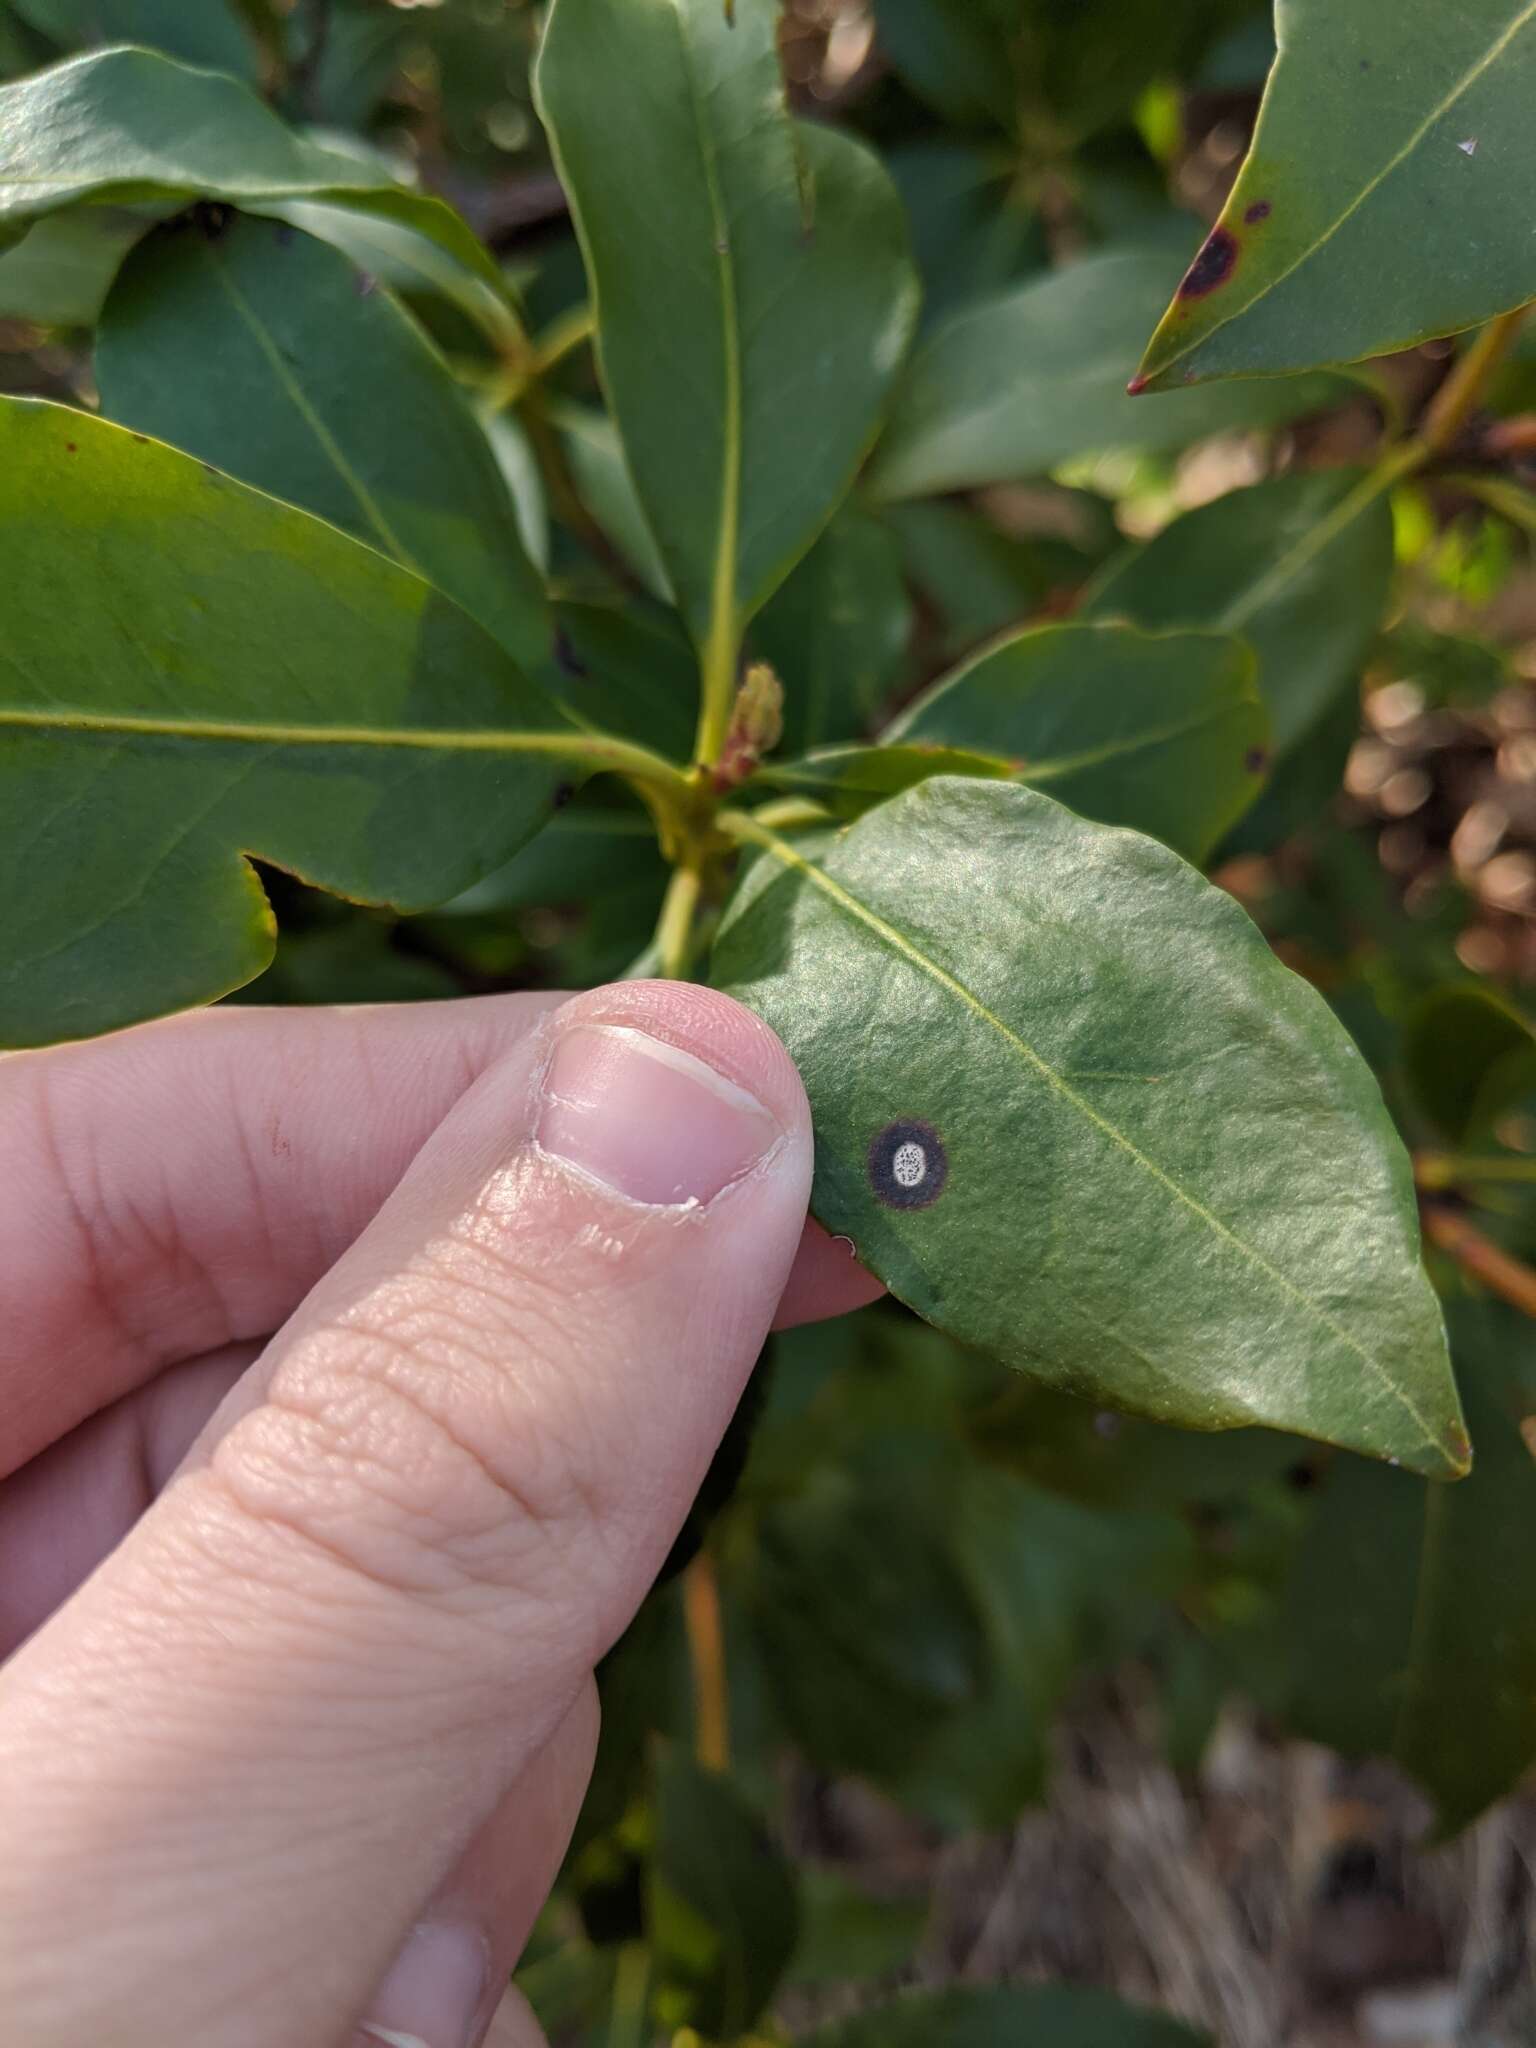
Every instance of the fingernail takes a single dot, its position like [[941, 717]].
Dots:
[[651, 1122], [433, 1993]]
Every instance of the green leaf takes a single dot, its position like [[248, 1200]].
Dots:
[[586, 850], [971, 230], [129, 126], [1015, 384], [846, 1933], [1469, 1056], [750, 279], [1061, 69], [607, 490], [264, 352], [723, 1910], [1301, 566], [977, 581], [1385, 199], [1009, 2016], [629, 669], [869, 1636], [407, 262], [1163, 732], [1411, 1620], [1058, 1586], [1146, 1163], [206, 33], [61, 271], [229, 677], [837, 632]]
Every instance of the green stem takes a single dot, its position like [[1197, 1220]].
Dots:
[[1453, 402], [717, 675], [1437, 1171], [628, 2016], [675, 927], [562, 338]]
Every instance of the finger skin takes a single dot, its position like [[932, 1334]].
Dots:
[[180, 1187], [273, 1722], [500, 1885]]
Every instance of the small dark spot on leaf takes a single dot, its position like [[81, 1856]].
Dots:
[[1212, 267], [71, 447], [563, 794], [908, 1165], [1260, 210], [210, 471], [1302, 1477], [567, 660], [365, 284], [283, 234], [213, 219], [142, 439], [1106, 1425], [1256, 760]]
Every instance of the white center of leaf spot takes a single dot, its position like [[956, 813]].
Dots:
[[910, 1166]]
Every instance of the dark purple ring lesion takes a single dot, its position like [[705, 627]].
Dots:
[[908, 1164]]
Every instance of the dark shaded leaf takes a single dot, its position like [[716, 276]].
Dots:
[[722, 1906], [1469, 1055], [1012, 2016]]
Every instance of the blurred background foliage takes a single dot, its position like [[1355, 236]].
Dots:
[[954, 1683]]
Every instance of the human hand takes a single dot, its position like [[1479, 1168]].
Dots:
[[300, 1707]]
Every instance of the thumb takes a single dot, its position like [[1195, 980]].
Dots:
[[238, 1762]]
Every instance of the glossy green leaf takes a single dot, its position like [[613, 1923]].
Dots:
[[205, 33], [229, 677], [1164, 732], [1301, 566], [1141, 1158], [1386, 197], [586, 850], [750, 278], [1469, 1056], [1412, 1615], [722, 1910], [836, 633], [129, 126], [1015, 384], [1009, 2016], [264, 352]]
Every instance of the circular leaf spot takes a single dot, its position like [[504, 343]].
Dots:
[[908, 1165]]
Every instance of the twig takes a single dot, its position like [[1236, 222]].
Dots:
[[706, 1657], [1500, 1272]]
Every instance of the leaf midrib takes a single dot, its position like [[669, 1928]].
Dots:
[[1054, 767], [721, 636], [1431, 120], [243, 732], [899, 943]]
